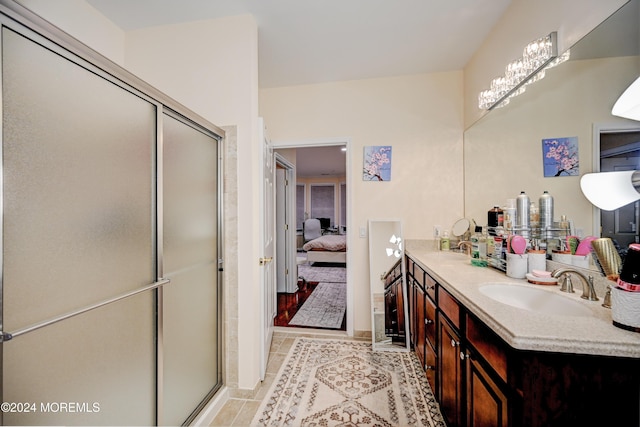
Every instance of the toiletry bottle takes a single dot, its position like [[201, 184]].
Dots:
[[497, 247], [495, 218], [445, 242], [534, 215], [509, 214], [522, 211], [475, 242], [546, 213], [491, 246], [482, 244]]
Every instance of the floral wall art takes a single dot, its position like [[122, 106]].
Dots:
[[560, 156], [377, 163]]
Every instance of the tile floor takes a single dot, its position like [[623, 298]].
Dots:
[[240, 412]]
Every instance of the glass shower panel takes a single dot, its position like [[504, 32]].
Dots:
[[77, 192], [78, 187], [190, 303], [94, 369]]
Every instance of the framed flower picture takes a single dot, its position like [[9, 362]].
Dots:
[[377, 163], [560, 157]]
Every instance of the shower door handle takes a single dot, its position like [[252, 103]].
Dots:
[[6, 336]]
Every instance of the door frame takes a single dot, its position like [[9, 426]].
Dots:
[[289, 233], [599, 128], [325, 142], [267, 236]]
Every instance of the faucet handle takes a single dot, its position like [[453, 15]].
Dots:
[[567, 285], [590, 292]]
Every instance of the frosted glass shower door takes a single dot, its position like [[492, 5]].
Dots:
[[191, 367], [78, 228]]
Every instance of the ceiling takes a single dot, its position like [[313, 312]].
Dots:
[[311, 41], [321, 161]]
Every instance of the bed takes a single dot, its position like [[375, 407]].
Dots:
[[327, 248]]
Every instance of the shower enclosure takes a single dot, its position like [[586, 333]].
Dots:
[[111, 249]]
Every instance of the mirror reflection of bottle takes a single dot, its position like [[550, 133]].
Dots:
[[546, 211], [444, 241], [534, 215], [522, 211]]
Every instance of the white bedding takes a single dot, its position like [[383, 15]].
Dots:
[[329, 242]]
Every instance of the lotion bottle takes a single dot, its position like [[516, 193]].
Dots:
[[444, 241]]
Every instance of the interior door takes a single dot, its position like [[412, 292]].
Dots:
[[268, 278], [623, 223]]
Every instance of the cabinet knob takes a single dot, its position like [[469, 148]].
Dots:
[[463, 356], [429, 367], [428, 321], [431, 287], [454, 343]]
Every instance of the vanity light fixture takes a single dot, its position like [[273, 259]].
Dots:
[[537, 56]]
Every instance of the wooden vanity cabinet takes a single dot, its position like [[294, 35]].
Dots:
[[472, 369], [479, 380], [469, 390]]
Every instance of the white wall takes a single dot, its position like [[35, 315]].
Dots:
[[420, 116], [82, 21], [524, 21]]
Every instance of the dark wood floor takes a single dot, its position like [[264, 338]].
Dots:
[[289, 304]]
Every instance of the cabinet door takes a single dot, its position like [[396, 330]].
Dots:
[[486, 404], [450, 373], [420, 330], [430, 367], [411, 302], [430, 322]]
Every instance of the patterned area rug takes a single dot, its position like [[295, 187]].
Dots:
[[319, 272], [324, 308], [345, 383]]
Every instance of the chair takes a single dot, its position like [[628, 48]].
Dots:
[[311, 229]]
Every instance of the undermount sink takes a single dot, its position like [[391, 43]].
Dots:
[[533, 299]]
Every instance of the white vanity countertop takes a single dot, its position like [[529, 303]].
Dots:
[[524, 329]]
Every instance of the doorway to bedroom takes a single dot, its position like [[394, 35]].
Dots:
[[317, 205]]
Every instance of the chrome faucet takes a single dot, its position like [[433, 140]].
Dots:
[[588, 291]]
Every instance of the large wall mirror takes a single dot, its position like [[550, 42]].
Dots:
[[503, 152], [388, 286]]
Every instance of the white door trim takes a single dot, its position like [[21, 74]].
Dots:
[[289, 239], [324, 142]]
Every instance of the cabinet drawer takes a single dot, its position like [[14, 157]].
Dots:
[[449, 306], [430, 286], [488, 345], [430, 321], [418, 275], [409, 265]]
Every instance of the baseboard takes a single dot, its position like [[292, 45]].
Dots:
[[209, 412]]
